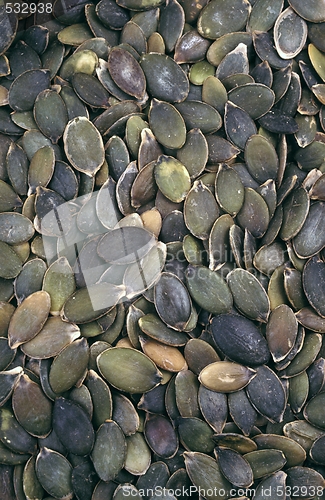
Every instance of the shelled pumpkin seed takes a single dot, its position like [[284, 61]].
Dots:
[[162, 249]]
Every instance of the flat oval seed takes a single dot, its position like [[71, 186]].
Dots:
[[32, 408], [264, 462], [127, 72], [172, 178], [51, 115], [239, 339], [311, 237], [15, 228], [314, 11], [305, 357], [200, 222], [214, 20], [200, 115], [317, 451], [128, 370], [195, 434], [58, 483], [59, 283], [254, 214], [152, 326], [267, 395], [249, 295], [41, 168], [138, 456], [69, 366], [234, 467], [301, 476], [254, 98], [242, 412], [160, 435], [90, 303], [73, 427], [313, 279], [166, 357], [263, 15], [290, 34], [84, 61], [13, 435], [80, 138], [204, 473], [166, 80], [54, 336], [101, 398], [213, 406], [295, 211], [161, 115], [239, 125], [261, 158], [281, 332], [9, 380], [10, 263], [229, 190], [33, 311], [224, 376], [109, 451], [26, 87], [172, 301], [293, 452], [208, 289]]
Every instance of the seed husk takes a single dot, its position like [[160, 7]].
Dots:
[[59, 482], [224, 376], [204, 472]]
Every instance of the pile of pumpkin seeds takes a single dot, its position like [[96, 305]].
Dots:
[[162, 250]]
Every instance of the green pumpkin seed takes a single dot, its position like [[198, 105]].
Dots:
[[269, 257], [125, 415], [242, 412], [76, 355], [152, 326], [73, 427], [29, 481], [41, 168], [14, 436], [249, 348], [15, 228], [127, 73], [139, 374], [213, 406], [254, 214], [54, 336], [160, 435], [313, 273], [166, 80], [317, 451], [195, 435], [281, 332], [149, 149], [59, 283], [234, 467], [194, 154], [215, 295], [265, 462], [261, 158], [229, 190], [237, 442], [9, 380], [172, 301], [298, 391], [267, 395], [264, 14], [109, 451], [49, 103], [219, 241], [295, 211], [161, 114], [305, 357], [302, 432], [197, 114], [204, 473], [201, 196], [172, 178], [87, 304], [32, 408], [214, 21], [138, 455], [80, 136], [224, 376], [293, 452], [58, 483], [33, 311], [289, 22], [26, 87], [249, 295], [17, 168], [313, 411], [238, 125]]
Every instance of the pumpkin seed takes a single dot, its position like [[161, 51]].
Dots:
[[160, 115], [205, 473], [265, 462], [76, 354], [224, 376], [234, 467], [58, 483], [172, 301], [313, 271]]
